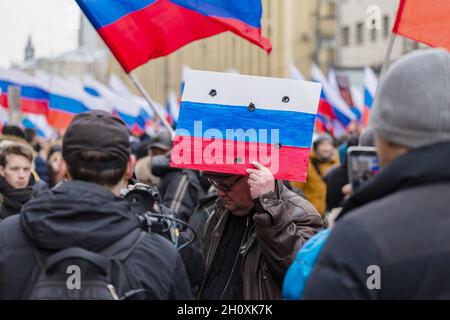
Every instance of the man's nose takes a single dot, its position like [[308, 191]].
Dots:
[[221, 193]]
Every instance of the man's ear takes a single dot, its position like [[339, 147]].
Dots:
[[2, 171], [130, 167], [63, 169]]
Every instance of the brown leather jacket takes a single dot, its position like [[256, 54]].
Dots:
[[282, 223]]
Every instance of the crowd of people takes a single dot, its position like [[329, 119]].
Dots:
[[249, 236]]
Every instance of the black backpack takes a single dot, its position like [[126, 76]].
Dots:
[[78, 274]]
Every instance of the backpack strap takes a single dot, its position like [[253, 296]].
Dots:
[[97, 260], [120, 250]]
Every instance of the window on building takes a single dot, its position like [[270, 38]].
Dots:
[[359, 33], [386, 26], [345, 36]]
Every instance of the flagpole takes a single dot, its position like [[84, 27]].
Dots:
[[387, 58], [141, 89]]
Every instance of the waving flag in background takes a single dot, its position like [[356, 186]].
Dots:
[[332, 79], [33, 98], [370, 86], [358, 99], [227, 121], [424, 21], [325, 114], [332, 104], [173, 108], [295, 73], [139, 30], [118, 86], [40, 124], [341, 86], [344, 87], [64, 99], [90, 96], [184, 70], [4, 93], [146, 113], [340, 107], [124, 107]]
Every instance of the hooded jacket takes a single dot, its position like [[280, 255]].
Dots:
[[391, 240], [83, 214]]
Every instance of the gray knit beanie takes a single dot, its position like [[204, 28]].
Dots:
[[412, 105]]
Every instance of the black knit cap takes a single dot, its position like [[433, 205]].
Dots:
[[96, 130]]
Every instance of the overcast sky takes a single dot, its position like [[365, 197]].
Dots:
[[52, 24]]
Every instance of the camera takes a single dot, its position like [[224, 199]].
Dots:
[[143, 198], [145, 202]]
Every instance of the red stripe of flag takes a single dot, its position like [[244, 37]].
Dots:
[[4, 100], [200, 154], [59, 119]]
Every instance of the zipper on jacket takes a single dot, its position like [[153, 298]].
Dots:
[[241, 251]]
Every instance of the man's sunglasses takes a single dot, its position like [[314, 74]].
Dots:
[[223, 187]]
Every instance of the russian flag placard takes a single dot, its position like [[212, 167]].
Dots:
[[226, 121]]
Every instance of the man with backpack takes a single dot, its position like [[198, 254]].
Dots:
[[80, 240]]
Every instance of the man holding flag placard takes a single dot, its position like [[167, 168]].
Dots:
[[243, 133]]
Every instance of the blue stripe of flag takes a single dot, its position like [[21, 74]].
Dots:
[[295, 128], [33, 93], [4, 85], [248, 11], [368, 99], [104, 12], [130, 121], [341, 117], [66, 104], [356, 112], [28, 124]]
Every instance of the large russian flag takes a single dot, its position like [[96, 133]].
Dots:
[[424, 21], [227, 121], [370, 87], [139, 30]]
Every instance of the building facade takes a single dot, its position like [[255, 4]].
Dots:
[[363, 29]]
